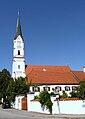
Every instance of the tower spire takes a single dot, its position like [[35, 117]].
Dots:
[[18, 28]]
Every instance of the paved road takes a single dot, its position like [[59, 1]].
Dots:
[[16, 114]]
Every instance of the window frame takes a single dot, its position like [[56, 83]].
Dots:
[[67, 88], [35, 89], [18, 66], [46, 88], [58, 88]]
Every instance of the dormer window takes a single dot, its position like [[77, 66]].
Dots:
[[44, 69], [18, 52]]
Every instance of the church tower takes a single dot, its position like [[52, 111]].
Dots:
[[18, 66]]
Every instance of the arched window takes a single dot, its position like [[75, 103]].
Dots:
[[18, 52]]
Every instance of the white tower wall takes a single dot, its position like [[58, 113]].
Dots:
[[18, 66]]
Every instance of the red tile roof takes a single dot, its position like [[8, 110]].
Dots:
[[50, 75], [79, 74], [60, 69]]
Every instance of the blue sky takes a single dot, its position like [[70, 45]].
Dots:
[[53, 31]]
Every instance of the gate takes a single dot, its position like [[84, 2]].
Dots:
[[24, 103]]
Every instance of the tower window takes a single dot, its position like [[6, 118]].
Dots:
[[18, 52], [18, 66]]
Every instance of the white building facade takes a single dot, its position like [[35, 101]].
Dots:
[[18, 66], [53, 88]]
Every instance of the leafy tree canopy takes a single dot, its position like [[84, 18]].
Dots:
[[79, 92], [64, 95], [5, 78], [10, 87], [45, 100]]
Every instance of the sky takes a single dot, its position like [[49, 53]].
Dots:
[[53, 31]]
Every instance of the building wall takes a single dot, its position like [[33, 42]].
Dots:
[[72, 107], [18, 66], [18, 103], [34, 106], [63, 107], [66, 107]]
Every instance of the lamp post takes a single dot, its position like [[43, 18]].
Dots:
[[56, 92]]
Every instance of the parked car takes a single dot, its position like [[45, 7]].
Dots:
[[5, 104]]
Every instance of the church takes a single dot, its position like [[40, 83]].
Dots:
[[59, 78]]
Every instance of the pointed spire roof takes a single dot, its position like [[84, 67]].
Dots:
[[18, 28]]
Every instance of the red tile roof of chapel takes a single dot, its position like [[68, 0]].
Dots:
[[50, 75]]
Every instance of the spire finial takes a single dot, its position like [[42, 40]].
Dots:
[[18, 12]]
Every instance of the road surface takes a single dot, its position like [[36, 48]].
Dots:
[[17, 114]]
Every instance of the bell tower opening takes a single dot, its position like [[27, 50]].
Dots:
[[18, 52]]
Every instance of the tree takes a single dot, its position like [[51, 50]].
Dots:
[[10, 88], [11, 91], [74, 94], [45, 100], [22, 87], [5, 78], [64, 95], [17, 87], [81, 90]]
